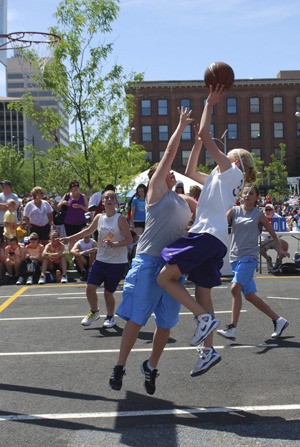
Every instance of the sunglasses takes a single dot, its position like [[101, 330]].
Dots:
[[74, 184], [269, 209], [33, 239]]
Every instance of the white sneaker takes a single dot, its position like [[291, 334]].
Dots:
[[109, 322], [229, 333], [29, 281], [42, 280], [90, 317], [208, 357], [279, 325], [64, 279], [20, 281], [206, 324]]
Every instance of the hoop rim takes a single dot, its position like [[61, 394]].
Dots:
[[21, 36]]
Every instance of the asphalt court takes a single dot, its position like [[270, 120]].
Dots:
[[54, 374]]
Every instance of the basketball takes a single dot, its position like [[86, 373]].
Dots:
[[219, 73]]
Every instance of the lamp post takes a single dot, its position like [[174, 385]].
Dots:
[[33, 158]]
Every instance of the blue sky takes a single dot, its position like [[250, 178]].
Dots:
[[177, 39]]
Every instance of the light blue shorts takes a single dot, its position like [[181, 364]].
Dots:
[[142, 296], [243, 273]]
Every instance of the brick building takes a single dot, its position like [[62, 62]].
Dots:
[[257, 114]]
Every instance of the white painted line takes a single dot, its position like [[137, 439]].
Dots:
[[160, 412], [111, 351], [66, 317], [283, 298]]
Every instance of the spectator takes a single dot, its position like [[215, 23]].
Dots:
[[54, 258], [77, 206], [4, 196], [179, 188], [38, 214], [10, 219], [14, 255], [21, 231], [31, 265], [138, 213], [84, 252], [195, 192], [267, 242]]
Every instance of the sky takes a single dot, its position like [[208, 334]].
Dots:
[[178, 39]]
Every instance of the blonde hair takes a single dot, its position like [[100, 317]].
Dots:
[[36, 190], [11, 202], [247, 164]]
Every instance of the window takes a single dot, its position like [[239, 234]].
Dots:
[[297, 103], [209, 161], [162, 107], [163, 132], [146, 107], [146, 133], [255, 130], [186, 103], [254, 104], [231, 105], [232, 131], [187, 133], [278, 130], [184, 157], [298, 129], [277, 104], [277, 152], [212, 130], [149, 156], [161, 154], [256, 152]]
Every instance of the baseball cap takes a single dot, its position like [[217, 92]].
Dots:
[[5, 182], [179, 185], [269, 205], [57, 199]]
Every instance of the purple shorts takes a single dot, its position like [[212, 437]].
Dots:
[[199, 255], [110, 274]]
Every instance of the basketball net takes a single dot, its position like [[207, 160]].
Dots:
[[34, 50]]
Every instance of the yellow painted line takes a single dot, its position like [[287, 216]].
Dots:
[[12, 299]]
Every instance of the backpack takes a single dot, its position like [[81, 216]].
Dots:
[[288, 268]]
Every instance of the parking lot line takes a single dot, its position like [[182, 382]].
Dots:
[[160, 412], [12, 298]]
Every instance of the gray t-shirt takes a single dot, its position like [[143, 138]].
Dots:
[[166, 221], [244, 234]]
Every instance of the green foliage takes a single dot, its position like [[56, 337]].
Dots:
[[204, 168], [278, 175], [92, 90]]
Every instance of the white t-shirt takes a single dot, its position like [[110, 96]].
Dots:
[[38, 216], [4, 198], [218, 194]]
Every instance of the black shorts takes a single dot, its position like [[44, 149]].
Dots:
[[139, 224]]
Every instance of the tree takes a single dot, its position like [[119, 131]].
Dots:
[[93, 93], [278, 175]]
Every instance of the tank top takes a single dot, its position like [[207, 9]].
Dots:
[[75, 216], [86, 245], [245, 232], [166, 221], [108, 228]]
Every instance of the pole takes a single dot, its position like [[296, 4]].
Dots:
[[33, 163], [224, 137]]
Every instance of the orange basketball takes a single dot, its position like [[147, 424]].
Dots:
[[219, 73]]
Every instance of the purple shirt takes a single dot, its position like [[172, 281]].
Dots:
[[75, 216]]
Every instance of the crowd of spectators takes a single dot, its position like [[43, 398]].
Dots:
[[29, 233]]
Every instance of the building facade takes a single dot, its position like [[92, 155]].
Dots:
[[257, 114], [18, 82]]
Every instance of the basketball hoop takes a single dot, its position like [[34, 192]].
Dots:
[[33, 49]]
